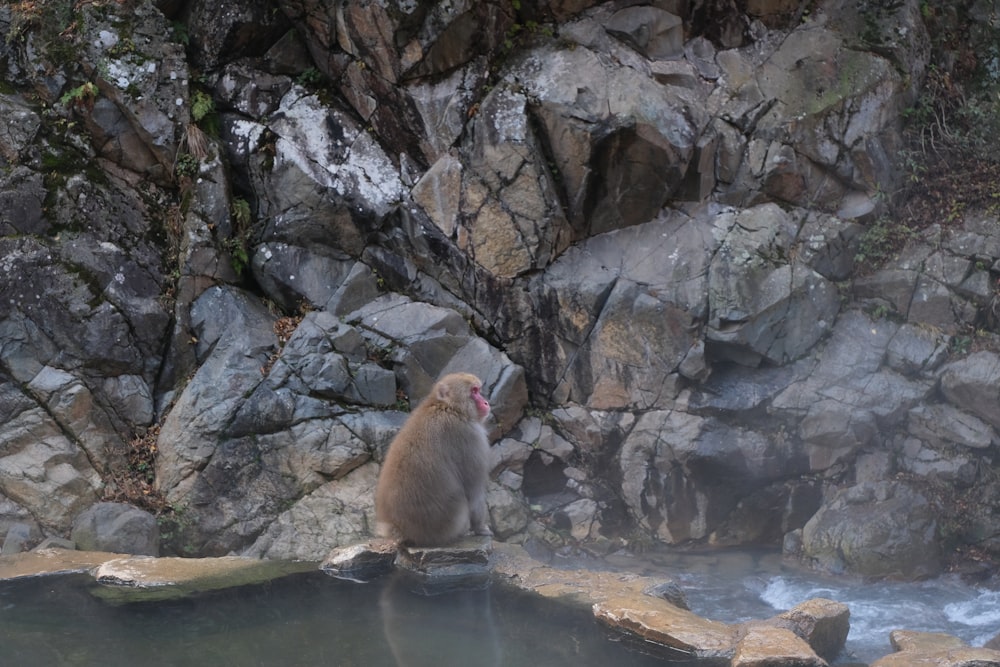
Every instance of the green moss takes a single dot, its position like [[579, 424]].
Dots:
[[187, 166]]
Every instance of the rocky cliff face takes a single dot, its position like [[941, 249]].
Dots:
[[252, 232]]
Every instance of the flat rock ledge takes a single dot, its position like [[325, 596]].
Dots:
[[128, 578]]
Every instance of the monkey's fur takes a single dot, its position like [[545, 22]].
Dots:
[[432, 488]]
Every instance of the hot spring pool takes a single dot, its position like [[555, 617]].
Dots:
[[299, 620]]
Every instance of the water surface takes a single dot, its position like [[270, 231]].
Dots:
[[740, 585], [308, 619]]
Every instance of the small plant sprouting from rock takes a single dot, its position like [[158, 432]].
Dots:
[[880, 241], [174, 523], [187, 166], [238, 244], [81, 98], [203, 112], [311, 78]]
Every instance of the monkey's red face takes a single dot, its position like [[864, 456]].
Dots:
[[482, 405]]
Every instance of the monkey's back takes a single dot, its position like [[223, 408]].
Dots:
[[427, 477]]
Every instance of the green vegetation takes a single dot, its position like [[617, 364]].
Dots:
[[202, 106], [311, 78], [238, 244], [187, 166], [81, 98], [204, 114], [949, 160], [881, 240]]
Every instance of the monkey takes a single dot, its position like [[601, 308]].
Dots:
[[432, 486]]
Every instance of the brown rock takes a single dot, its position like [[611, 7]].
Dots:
[[822, 623], [618, 602], [769, 646], [917, 649]]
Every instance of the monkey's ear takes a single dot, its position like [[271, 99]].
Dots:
[[441, 391]]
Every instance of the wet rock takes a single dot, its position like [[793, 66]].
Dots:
[[768, 646], [670, 591], [823, 624], [683, 475], [361, 562], [117, 528], [468, 551], [142, 578], [22, 195], [916, 649], [51, 561]]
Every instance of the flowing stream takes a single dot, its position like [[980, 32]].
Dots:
[[732, 586]]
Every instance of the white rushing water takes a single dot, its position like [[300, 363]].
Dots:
[[945, 605], [734, 586]]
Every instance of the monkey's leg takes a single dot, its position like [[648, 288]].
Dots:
[[479, 516]]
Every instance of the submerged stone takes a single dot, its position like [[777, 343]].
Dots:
[[144, 578]]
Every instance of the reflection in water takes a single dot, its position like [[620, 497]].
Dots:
[[442, 627], [307, 620]]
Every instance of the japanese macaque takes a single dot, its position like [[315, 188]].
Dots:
[[432, 488]]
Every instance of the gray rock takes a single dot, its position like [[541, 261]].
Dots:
[[235, 338], [915, 349], [118, 528], [334, 514], [294, 276], [17, 539], [22, 194], [653, 32], [882, 529], [942, 424], [509, 512], [760, 307], [56, 543], [973, 384]]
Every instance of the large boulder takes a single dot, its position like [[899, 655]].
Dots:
[[882, 529], [117, 528]]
